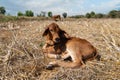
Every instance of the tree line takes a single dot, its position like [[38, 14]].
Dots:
[[30, 13], [49, 14], [92, 14]]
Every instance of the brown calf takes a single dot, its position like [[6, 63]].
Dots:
[[56, 17], [80, 50]]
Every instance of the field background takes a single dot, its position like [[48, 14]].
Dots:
[[21, 57]]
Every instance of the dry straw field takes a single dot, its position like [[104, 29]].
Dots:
[[21, 57]]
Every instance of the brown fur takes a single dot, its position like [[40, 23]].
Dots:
[[80, 50], [56, 17]]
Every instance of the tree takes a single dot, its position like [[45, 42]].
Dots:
[[118, 14], [88, 15], [49, 14], [20, 14], [29, 13], [43, 14], [2, 10], [112, 14], [64, 15], [92, 14]]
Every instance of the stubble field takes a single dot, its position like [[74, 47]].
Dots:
[[21, 56]]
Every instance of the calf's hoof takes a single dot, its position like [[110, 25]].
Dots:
[[49, 67]]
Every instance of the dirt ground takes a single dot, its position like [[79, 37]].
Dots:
[[21, 57]]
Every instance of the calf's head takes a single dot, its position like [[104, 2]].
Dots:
[[54, 33]]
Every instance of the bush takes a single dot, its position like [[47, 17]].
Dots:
[[88, 15], [64, 15], [49, 14], [113, 14], [93, 15], [2, 10], [20, 14], [99, 15], [29, 13]]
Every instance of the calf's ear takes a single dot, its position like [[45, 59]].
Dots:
[[64, 34], [45, 32]]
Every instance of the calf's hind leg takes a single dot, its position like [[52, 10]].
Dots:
[[71, 64]]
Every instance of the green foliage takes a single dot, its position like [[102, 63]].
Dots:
[[49, 14], [113, 14], [99, 15], [20, 14], [29, 13], [92, 14], [88, 15], [64, 14], [2, 10]]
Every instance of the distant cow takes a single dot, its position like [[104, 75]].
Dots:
[[56, 17]]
